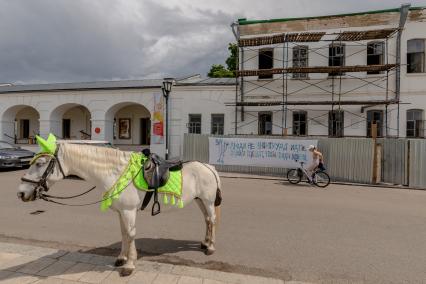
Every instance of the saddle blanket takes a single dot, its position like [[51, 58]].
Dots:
[[134, 173]]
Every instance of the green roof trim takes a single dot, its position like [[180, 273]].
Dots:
[[250, 22]]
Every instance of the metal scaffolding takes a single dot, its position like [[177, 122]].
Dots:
[[389, 67]]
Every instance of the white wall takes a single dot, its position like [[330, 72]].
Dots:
[[135, 113], [80, 120]]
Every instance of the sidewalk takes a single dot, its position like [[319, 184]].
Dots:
[[30, 264]]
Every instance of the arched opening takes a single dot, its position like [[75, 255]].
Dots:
[[20, 124], [71, 121], [131, 125]]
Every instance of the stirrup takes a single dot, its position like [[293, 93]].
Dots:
[[156, 206]]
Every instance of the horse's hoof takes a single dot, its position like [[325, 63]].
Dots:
[[119, 262], [209, 251], [203, 246], [126, 271]]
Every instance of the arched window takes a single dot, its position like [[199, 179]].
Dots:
[[415, 123], [416, 56], [375, 51]]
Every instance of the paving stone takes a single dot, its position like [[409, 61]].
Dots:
[[142, 277], [97, 274], [6, 257], [17, 263], [115, 277], [165, 278], [4, 274], [51, 280], [210, 281], [209, 274], [77, 257], [35, 266], [77, 271], [57, 268], [102, 260], [154, 267], [19, 278], [190, 280]]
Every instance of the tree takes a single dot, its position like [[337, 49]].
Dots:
[[219, 71]]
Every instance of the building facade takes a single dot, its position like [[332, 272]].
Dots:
[[333, 75], [121, 112]]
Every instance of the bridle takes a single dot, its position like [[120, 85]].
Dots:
[[41, 185]]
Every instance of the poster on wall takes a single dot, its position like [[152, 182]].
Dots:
[[158, 122], [283, 153], [124, 130]]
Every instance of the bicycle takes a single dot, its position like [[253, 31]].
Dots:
[[320, 178]]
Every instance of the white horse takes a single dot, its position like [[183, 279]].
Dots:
[[102, 167]]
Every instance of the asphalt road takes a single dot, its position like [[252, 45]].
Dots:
[[269, 228]]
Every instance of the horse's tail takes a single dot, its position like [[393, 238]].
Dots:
[[218, 199]]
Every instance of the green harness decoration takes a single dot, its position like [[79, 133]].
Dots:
[[134, 172]]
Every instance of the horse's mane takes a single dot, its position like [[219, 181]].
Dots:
[[88, 158]]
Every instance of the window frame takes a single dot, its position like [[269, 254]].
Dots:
[[331, 57], [271, 57], [296, 125], [217, 126], [336, 124], [263, 128], [192, 126], [417, 132], [422, 57], [296, 60], [381, 55], [379, 125]]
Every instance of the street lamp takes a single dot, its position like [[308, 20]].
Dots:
[[167, 88]]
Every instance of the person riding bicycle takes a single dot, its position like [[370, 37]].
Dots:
[[317, 159]]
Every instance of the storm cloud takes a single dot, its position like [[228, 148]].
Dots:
[[88, 40]]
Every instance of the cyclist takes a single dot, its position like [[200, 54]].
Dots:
[[317, 158]]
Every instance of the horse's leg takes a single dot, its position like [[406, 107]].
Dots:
[[122, 257], [205, 243], [211, 225], [129, 222]]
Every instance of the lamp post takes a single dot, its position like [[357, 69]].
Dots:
[[167, 88]]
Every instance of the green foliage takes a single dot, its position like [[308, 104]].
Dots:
[[219, 71]]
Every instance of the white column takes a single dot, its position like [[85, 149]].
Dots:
[[105, 130]]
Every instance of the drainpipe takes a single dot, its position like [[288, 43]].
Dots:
[[236, 32], [402, 19]]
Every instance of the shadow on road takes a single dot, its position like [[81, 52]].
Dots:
[[150, 247]]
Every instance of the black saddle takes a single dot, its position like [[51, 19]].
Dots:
[[156, 172]]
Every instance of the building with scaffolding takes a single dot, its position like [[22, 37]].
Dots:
[[332, 75]]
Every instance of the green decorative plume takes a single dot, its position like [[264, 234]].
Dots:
[[48, 145]]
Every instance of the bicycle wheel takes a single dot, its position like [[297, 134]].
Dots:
[[322, 179], [293, 176]]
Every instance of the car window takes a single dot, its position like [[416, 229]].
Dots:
[[5, 145]]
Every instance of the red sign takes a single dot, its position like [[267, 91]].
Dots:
[[97, 130], [158, 128]]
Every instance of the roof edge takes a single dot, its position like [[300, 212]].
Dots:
[[243, 22]]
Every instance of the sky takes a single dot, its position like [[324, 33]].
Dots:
[[48, 41]]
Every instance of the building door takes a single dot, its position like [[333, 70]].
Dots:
[[145, 131], [25, 128], [66, 128], [265, 123]]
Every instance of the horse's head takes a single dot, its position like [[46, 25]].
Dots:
[[45, 169]]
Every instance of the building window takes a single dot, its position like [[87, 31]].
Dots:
[[300, 125], [265, 123], [218, 123], [375, 116], [336, 123], [336, 57], [375, 51], [24, 128], [416, 56], [194, 124], [300, 59], [415, 123], [266, 61]]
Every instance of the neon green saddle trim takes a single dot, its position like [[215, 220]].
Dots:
[[173, 187]]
